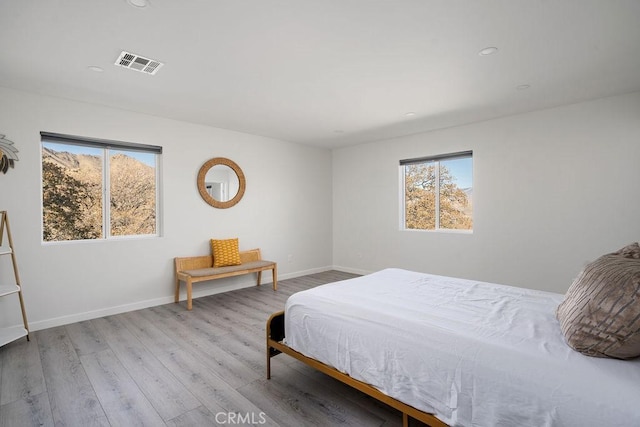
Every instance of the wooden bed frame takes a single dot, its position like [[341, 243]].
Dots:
[[275, 346]]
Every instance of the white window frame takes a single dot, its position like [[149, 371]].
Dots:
[[106, 146], [402, 193]]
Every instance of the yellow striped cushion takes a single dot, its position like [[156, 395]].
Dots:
[[225, 252]]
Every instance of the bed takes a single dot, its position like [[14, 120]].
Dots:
[[450, 351]]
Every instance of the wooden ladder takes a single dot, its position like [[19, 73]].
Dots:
[[11, 333]]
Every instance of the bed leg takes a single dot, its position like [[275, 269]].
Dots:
[[275, 332], [268, 333], [405, 420], [268, 362]]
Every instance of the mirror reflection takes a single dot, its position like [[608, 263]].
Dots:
[[221, 182]]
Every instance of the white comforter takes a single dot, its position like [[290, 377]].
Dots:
[[472, 353]]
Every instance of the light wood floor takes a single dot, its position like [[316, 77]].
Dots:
[[168, 366]]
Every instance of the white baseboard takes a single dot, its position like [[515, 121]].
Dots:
[[305, 272], [351, 270], [88, 315]]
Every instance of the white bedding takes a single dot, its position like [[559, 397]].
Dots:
[[472, 353]]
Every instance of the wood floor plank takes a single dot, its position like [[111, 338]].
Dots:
[[294, 400], [168, 396], [227, 367], [85, 338], [381, 410], [199, 417], [121, 399], [148, 333], [71, 396], [211, 390], [272, 304], [393, 416], [247, 346], [22, 371], [33, 410], [186, 367], [209, 318], [227, 308], [251, 305]]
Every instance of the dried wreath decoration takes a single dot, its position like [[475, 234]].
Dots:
[[8, 154]]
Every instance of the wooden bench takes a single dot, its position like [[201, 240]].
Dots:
[[200, 268]]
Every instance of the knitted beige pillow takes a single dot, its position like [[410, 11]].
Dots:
[[600, 315]]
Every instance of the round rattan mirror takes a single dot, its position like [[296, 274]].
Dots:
[[221, 182]]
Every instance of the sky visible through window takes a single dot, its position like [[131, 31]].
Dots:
[[462, 170]]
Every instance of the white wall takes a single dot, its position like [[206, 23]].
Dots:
[[553, 189], [286, 210]]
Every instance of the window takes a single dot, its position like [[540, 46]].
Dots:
[[96, 189], [437, 192]]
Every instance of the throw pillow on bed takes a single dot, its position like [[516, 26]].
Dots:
[[600, 315], [225, 252]]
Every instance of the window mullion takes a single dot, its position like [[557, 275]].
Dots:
[[106, 195], [158, 166], [403, 197], [437, 198]]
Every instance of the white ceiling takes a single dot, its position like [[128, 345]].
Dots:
[[328, 73]]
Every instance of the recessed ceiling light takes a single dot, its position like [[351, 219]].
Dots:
[[138, 3], [95, 68], [488, 51], [523, 87]]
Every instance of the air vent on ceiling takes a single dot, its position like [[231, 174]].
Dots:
[[138, 63]]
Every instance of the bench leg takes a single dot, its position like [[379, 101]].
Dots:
[[259, 278], [274, 272], [189, 289], [177, 298]]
